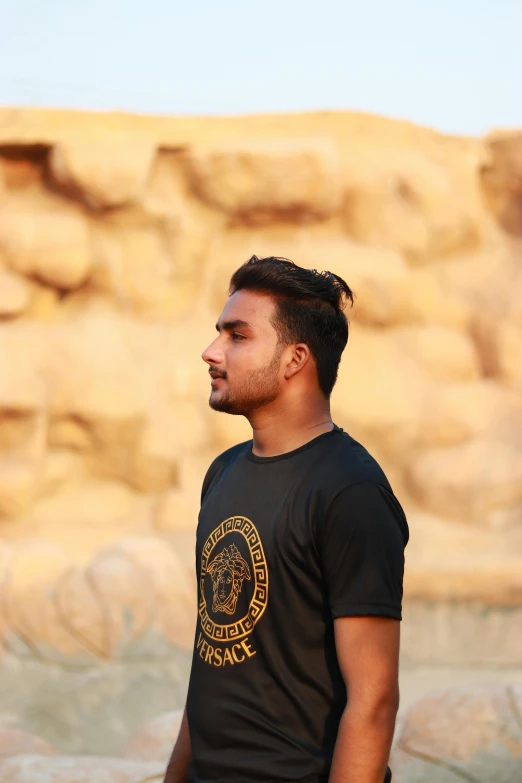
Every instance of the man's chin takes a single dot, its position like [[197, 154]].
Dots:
[[223, 405]]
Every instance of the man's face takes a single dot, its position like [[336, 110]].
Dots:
[[244, 359]]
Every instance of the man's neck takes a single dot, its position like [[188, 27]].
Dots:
[[278, 433]]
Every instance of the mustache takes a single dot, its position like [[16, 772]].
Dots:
[[219, 373]]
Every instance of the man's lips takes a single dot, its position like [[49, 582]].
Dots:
[[215, 379]]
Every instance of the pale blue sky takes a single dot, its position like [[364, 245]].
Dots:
[[453, 64]]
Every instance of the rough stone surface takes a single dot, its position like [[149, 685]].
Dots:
[[395, 416], [92, 709], [254, 182], [447, 354], [80, 769], [463, 733], [411, 203], [155, 740], [118, 236], [15, 293], [478, 481], [501, 177], [128, 267], [108, 173], [50, 243], [132, 590], [15, 742]]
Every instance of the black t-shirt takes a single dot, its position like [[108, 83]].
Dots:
[[284, 545]]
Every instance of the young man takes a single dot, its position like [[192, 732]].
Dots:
[[299, 555]]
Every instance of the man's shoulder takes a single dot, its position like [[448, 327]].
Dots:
[[222, 463], [352, 479], [230, 455], [347, 463]]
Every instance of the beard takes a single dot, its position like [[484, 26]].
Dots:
[[259, 389]]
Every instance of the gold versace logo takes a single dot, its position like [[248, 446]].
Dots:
[[229, 569]]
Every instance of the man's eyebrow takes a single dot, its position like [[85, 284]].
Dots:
[[229, 326]]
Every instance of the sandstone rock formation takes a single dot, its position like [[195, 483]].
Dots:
[[117, 239], [14, 742], [67, 613], [87, 769], [155, 740], [460, 734]]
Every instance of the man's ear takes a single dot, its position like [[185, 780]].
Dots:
[[299, 358]]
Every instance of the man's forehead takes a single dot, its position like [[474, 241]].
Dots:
[[248, 306]]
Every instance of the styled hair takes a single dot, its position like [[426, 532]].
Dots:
[[310, 309]]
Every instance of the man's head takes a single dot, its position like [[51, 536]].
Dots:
[[280, 321]]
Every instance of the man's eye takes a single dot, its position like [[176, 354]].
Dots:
[[236, 336]]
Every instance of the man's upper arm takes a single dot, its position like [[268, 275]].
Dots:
[[368, 654]]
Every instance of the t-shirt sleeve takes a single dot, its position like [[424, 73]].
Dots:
[[362, 552], [211, 474]]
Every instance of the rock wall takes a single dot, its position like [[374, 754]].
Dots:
[[118, 236]]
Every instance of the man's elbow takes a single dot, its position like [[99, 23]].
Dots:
[[378, 707]]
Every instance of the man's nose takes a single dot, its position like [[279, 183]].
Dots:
[[213, 353]]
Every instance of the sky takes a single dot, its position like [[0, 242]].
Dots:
[[455, 65]]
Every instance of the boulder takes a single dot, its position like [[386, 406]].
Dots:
[[138, 267], [84, 614], [45, 304], [169, 570], [106, 171], [18, 484], [510, 331], [254, 182], [469, 733], [408, 201], [478, 481], [176, 510], [23, 366], [103, 395], [135, 596], [49, 241], [15, 294], [501, 177], [14, 742], [17, 429], [34, 568], [169, 433], [461, 411], [382, 391], [78, 769], [510, 352], [155, 740], [126, 595], [60, 468], [453, 564], [83, 513], [445, 353], [430, 300], [19, 173]]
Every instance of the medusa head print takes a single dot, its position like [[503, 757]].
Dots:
[[228, 570]]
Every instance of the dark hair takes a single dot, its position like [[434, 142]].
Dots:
[[310, 308]]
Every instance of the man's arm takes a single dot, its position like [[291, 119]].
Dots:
[[181, 755], [368, 654]]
